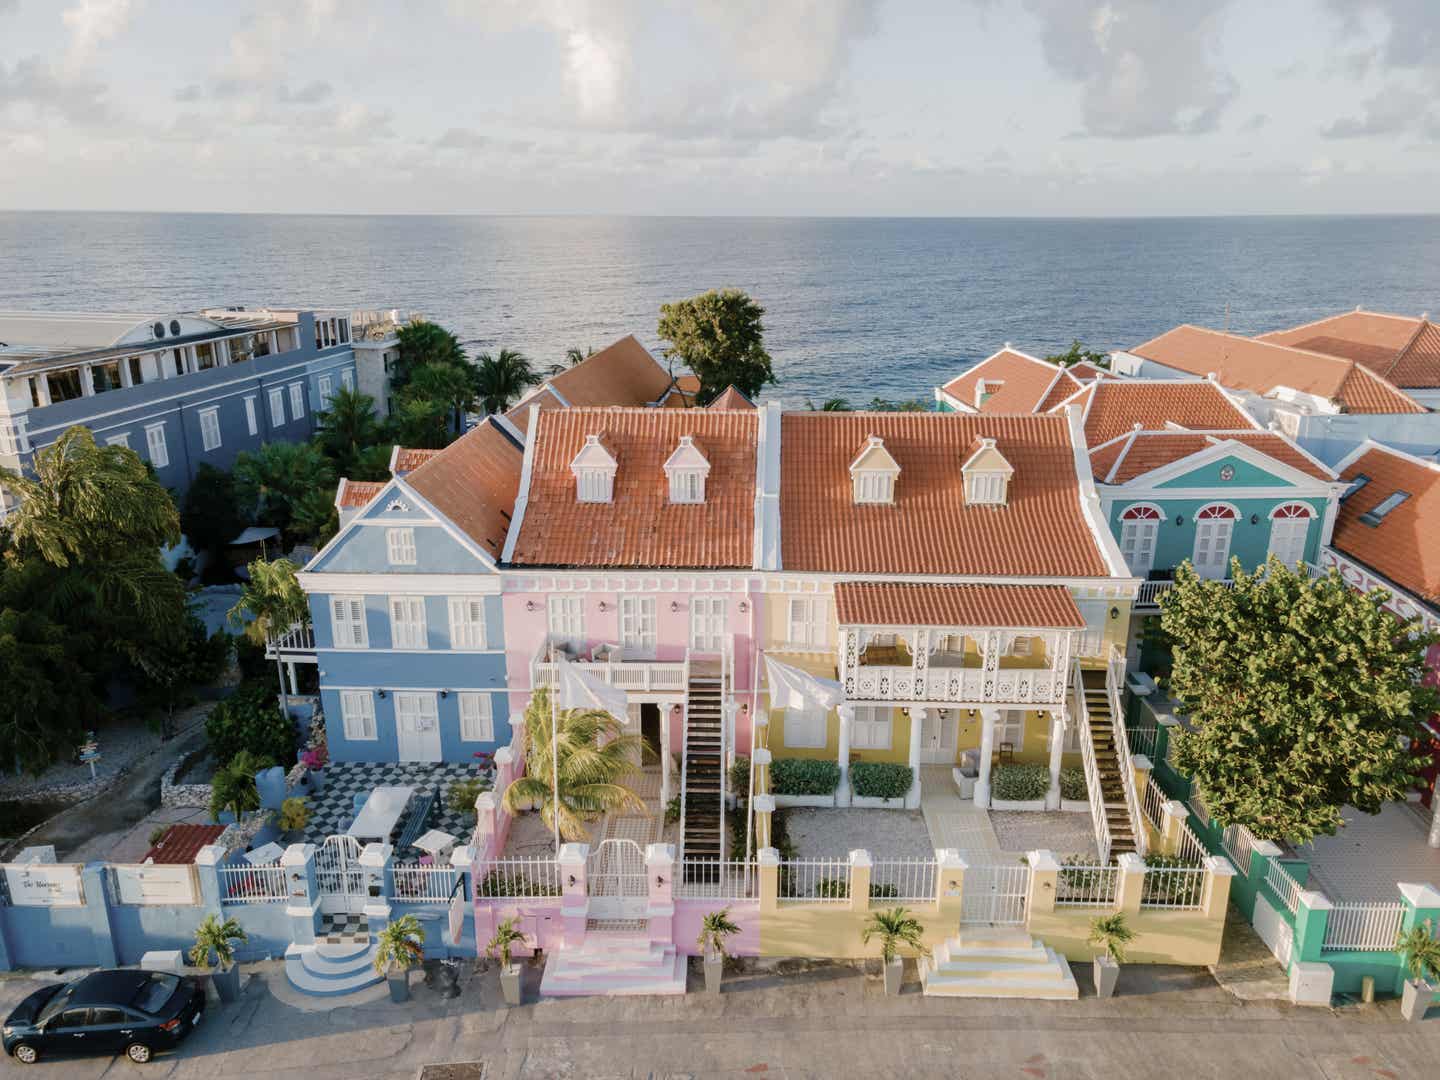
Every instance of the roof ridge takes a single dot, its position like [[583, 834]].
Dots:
[[1420, 325], [1248, 340]]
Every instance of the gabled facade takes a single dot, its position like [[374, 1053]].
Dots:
[[1400, 348], [1011, 381]]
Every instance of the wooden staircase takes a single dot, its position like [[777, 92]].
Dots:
[[1108, 763], [704, 768]]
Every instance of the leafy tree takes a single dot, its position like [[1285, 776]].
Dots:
[[271, 602], [720, 337], [233, 786], [1079, 354], [834, 404], [250, 721], [211, 516], [348, 428], [421, 421], [879, 404], [372, 463], [194, 657], [422, 343], [1302, 697], [273, 480], [452, 384], [502, 379], [316, 518], [573, 356]]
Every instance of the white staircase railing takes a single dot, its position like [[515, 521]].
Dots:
[[684, 755], [724, 740], [1092, 770], [1114, 680]]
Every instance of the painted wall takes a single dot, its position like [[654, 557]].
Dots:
[[1248, 542], [690, 912], [1161, 936], [363, 550], [833, 930]]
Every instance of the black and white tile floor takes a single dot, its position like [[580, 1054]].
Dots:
[[343, 930], [332, 810]]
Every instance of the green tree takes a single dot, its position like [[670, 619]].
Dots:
[[879, 404], [895, 927], [720, 337], [1078, 353], [1302, 696], [502, 379], [271, 602], [194, 657], [422, 343], [273, 480], [348, 427], [834, 404], [210, 517], [450, 384], [233, 787], [250, 719], [573, 356], [421, 421]]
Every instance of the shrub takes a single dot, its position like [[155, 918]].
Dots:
[[498, 883], [1167, 888], [803, 776], [1019, 783], [1072, 783], [740, 777], [672, 811], [294, 814], [250, 656], [233, 789], [250, 720], [885, 891], [157, 834], [880, 779], [462, 794]]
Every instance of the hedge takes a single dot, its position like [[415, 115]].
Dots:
[[880, 779], [1072, 783], [803, 776], [250, 719], [1019, 783]]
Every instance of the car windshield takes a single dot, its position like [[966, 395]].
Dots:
[[57, 1002], [152, 996]]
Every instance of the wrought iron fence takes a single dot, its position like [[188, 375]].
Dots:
[[1172, 887], [903, 879], [1087, 886], [1363, 927], [520, 878], [252, 885], [825, 881], [712, 880], [423, 884]]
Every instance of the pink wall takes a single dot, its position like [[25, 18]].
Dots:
[[540, 918], [689, 913]]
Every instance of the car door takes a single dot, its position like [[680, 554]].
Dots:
[[68, 1034], [110, 1029]]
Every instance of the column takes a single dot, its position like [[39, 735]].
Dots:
[[1434, 840], [1141, 767], [290, 671], [764, 808], [487, 819], [917, 727], [207, 871], [1422, 908], [1057, 747], [660, 872], [1216, 895], [574, 892], [1311, 979], [667, 710], [949, 884], [1044, 883], [1164, 722], [842, 792], [988, 717], [97, 906], [303, 907], [861, 867], [769, 887], [1172, 821], [375, 863], [1131, 883]]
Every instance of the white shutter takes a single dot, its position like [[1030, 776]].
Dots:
[[407, 622], [467, 622], [1287, 539], [799, 632], [297, 400], [400, 546], [357, 713], [347, 621], [804, 728], [155, 445], [476, 722]]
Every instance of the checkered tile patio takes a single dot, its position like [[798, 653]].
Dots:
[[332, 810]]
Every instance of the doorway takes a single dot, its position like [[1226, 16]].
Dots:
[[650, 726], [937, 736]]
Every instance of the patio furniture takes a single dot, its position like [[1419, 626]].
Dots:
[[382, 809], [265, 855], [416, 823], [1007, 753], [435, 843]]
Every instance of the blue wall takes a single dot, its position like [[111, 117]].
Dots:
[[362, 550]]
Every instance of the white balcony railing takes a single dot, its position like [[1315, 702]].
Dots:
[[297, 643], [1012, 685], [1150, 592], [640, 676]]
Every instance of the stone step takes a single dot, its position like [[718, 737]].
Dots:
[[311, 972], [563, 978]]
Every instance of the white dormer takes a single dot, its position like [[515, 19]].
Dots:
[[987, 475], [873, 473], [594, 468], [687, 469]]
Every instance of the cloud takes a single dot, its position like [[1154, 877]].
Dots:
[[1411, 37], [1144, 68], [1256, 122], [34, 82], [311, 93], [187, 94], [91, 24], [1397, 109]]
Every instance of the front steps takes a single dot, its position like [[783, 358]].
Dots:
[[331, 970], [1107, 762], [704, 767], [997, 963], [613, 965]]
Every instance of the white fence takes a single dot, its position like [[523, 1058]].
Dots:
[[1363, 927], [423, 884], [903, 879], [1239, 844], [1153, 804], [1173, 887], [1190, 849], [710, 880], [995, 894], [1197, 805], [1283, 882], [824, 881], [1087, 886], [520, 879], [252, 884], [1142, 740]]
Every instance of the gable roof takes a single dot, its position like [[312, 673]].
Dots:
[[621, 374], [474, 482], [1405, 545], [730, 398], [354, 494], [406, 459], [1128, 458], [1021, 383], [1263, 366], [640, 527], [1112, 407], [904, 603], [1403, 349], [929, 529]]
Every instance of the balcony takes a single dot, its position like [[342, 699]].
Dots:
[[294, 646], [956, 685], [639, 675]]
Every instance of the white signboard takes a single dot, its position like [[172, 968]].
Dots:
[[44, 885], [152, 884]]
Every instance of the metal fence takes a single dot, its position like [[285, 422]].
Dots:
[[1363, 927], [825, 881], [903, 879], [521, 878], [1142, 740], [423, 884], [1239, 844], [252, 884], [1153, 802], [711, 880], [1172, 887], [1087, 886], [1190, 848], [995, 894], [1284, 884]]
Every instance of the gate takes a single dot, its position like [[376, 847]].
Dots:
[[995, 894], [618, 884], [338, 876]]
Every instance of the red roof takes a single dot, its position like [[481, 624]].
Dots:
[[1402, 349], [407, 459], [1125, 459], [1115, 406], [181, 843], [1404, 545], [354, 494], [1015, 382], [891, 603], [731, 398], [473, 482]]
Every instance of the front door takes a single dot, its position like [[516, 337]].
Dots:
[[1212, 547], [417, 727], [650, 726], [937, 736]]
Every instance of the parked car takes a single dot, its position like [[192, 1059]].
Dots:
[[106, 1012]]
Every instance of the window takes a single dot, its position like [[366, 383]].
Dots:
[[870, 730], [804, 728], [1139, 526], [64, 385], [204, 355], [467, 622], [105, 1015], [985, 489], [637, 622], [242, 348], [1213, 526], [476, 723], [407, 622], [400, 546], [874, 486], [155, 445], [277, 408], [707, 623], [137, 375], [324, 386], [343, 327], [210, 428], [347, 622], [347, 379], [297, 400], [105, 377], [566, 617], [1355, 485], [807, 622], [687, 486], [987, 475], [1071, 742], [123, 439], [1289, 529], [251, 421], [357, 712], [594, 468], [594, 485], [1011, 728], [177, 361], [1021, 645], [1376, 515]]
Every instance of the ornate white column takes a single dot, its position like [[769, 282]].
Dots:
[[1057, 745], [988, 717], [847, 717], [667, 711], [917, 726]]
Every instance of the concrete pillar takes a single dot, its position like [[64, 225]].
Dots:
[[1312, 916], [764, 809], [290, 672], [574, 892], [1141, 766], [949, 884], [917, 726], [667, 710], [988, 717], [1172, 821], [760, 759], [1164, 727], [1057, 747], [861, 867], [375, 863], [1130, 884], [769, 882], [303, 907], [1262, 852], [842, 792], [1215, 894], [660, 872], [97, 906], [1044, 882], [207, 872], [487, 820]]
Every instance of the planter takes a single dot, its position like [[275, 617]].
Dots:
[[713, 968], [1415, 1000], [1075, 806], [227, 982], [510, 984], [872, 802], [1037, 805], [804, 800], [1107, 974], [894, 969], [399, 982], [317, 780]]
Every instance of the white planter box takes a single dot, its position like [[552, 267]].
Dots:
[[803, 800], [1075, 806], [1018, 804], [871, 802]]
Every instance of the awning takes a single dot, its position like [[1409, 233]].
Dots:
[[254, 534], [889, 603]]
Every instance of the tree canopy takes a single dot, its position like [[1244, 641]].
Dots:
[[1079, 353], [501, 379], [348, 428], [273, 482], [1302, 696], [720, 337], [423, 343]]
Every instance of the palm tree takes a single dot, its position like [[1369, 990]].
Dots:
[[274, 601], [421, 343], [502, 378], [269, 482], [573, 356], [348, 427], [895, 927], [715, 927], [452, 384], [595, 756], [834, 404]]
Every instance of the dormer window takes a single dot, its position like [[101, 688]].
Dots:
[[987, 475], [686, 470], [985, 389], [594, 468], [873, 473]]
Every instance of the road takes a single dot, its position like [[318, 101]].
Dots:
[[829, 1022]]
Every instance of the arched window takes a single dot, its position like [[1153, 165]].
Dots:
[[1214, 525], [1289, 532], [1139, 526]]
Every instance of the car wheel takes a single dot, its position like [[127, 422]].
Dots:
[[138, 1053], [26, 1054]]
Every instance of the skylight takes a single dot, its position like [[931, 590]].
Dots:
[[1355, 485], [1390, 502]]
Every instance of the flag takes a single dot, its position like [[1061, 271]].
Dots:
[[791, 688], [578, 689]]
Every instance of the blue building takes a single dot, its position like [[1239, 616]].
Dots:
[[405, 602]]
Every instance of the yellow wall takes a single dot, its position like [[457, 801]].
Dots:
[[832, 931], [899, 740], [1161, 937]]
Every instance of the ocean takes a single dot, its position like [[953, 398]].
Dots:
[[855, 307]]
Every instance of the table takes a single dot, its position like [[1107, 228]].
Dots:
[[435, 842], [377, 818], [266, 855]]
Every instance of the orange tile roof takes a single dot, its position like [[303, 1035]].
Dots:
[[543, 399], [1125, 459], [929, 529], [181, 843], [1419, 364], [1261, 366], [1086, 370], [1065, 387], [622, 374], [1114, 406], [473, 482], [407, 459], [641, 527], [893, 603], [354, 494], [1405, 546], [1370, 337], [731, 398], [1019, 382]]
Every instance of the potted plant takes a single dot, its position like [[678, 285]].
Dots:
[[213, 938], [895, 927], [293, 817], [1112, 933], [315, 760], [398, 948], [507, 935], [714, 929], [1421, 955]]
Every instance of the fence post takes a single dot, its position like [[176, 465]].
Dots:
[[1311, 980], [861, 867], [375, 863], [660, 870], [97, 904], [1141, 766], [949, 883], [1044, 883], [1130, 883], [1261, 852], [760, 760], [1216, 892], [207, 870], [769, 882], [764, 811], [1422, 904], [303, 907], [1164, 722], [574, 892], [1172, 819]]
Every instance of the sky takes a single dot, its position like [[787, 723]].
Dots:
[[763, 107]]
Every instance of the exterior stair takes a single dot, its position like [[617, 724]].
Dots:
[[331, 970], [995, 962], [614, 964], [1107, 761], [704, 768]]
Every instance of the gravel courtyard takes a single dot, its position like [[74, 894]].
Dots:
[[1062, 833], [886, 834]]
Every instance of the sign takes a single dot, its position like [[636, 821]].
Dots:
[[155, 884], [44, 885], [90, 752]]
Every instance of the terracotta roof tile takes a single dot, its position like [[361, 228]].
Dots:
[[622, 374], [731, 398], [1019, 382], [641, 527], [1405, 545], [473, 482], [354, 494], [891, 603], [1149, 450], [1114, 406], [1066, 386], [1419, 364], [408, 459], [1085, 371], [182, 843], [1367, 337], [929, 529]]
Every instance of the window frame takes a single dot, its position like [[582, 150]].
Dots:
[[209, 420], [276, 399], [297, 401], [467, 633], [704, 627], [873, 724], [483, 714], [639, 622], [252, 419], [349, 620], [400, 546], [156, 445], [358, 705], [806, 716], [816, 622], [408, 632]]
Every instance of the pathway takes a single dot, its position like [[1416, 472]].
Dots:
[[1364, 860], [955, 822]]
